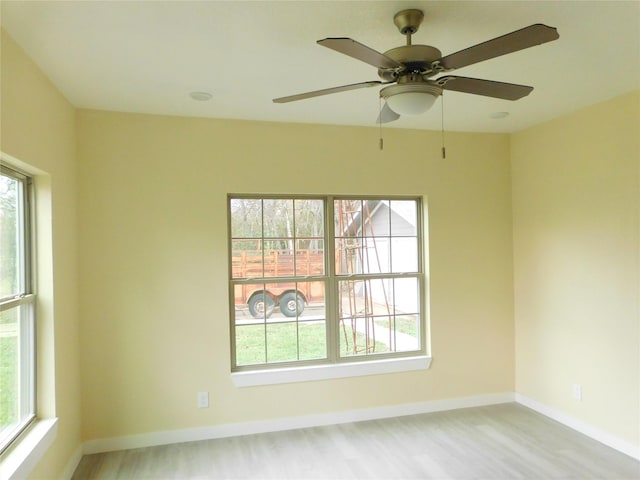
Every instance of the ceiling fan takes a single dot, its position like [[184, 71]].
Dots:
[[408, 70]]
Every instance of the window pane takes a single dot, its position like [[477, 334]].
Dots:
[[246, 259], [11, 237], [406, 295], [356, 298], [254, 301], [406, 333], [377, 218], [278, 262], [356, 312], [348, 218], [349, 257], [312, 338], [250, 344], [274, 244], [278, 218], [376, 255], [372, 320], [357, 337], [404, 217], [404, 254], [9, 368], [16, 370], [362, 255], [282, 342], [246, 218], [246, 309], [309, 257], [309, 218]]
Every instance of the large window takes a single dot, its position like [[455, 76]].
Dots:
[[17, 352], [325, 280]]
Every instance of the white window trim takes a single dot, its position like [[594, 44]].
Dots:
[[335, 368], [25, 453], [307, 373], [25, 298]]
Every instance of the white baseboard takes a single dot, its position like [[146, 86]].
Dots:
[[248, 428], [72, 464], [236, 429], [590, 431]]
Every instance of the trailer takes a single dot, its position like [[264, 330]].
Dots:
[[291, 297]]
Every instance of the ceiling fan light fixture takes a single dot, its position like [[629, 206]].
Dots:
[[410, 99]]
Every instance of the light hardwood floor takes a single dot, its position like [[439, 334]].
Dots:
[[496, 442]]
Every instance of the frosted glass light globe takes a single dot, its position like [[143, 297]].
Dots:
[[410, 99]]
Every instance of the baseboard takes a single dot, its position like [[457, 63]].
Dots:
[[248, 428], [236, 429], [72, 464], [590, 431]]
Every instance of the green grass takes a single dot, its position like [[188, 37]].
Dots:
[[8, 370], [361, 347], [286, 341], [8, 381], [407, 325]]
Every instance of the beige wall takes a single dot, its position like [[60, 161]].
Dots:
[[576, 248], [38, 128], [154, 274]]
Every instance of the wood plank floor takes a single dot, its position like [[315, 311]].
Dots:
[[496, 442]]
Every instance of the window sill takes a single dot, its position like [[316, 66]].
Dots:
[[22, 457], [326, 372]]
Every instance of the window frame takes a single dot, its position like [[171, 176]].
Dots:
[[387, 360], [25, 300]]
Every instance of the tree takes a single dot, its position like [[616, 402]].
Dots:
[[277, 223], [8, 235]]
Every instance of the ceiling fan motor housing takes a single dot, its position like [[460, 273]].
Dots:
[[415, 58]]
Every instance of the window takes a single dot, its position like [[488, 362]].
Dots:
[[17, 303], [325, 280]]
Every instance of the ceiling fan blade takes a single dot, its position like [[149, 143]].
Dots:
[[488, 88], [327, 91], [511, 42], [359, 52], [387, 115]]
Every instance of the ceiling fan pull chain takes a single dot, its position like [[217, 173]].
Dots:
[[380, 122], [444, 152]]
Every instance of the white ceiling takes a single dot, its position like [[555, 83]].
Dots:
[[142, 56]]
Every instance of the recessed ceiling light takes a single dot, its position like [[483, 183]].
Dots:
[[498, 115], [201, 96]]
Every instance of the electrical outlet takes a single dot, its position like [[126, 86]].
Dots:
[[203, 399], [577, 391]]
